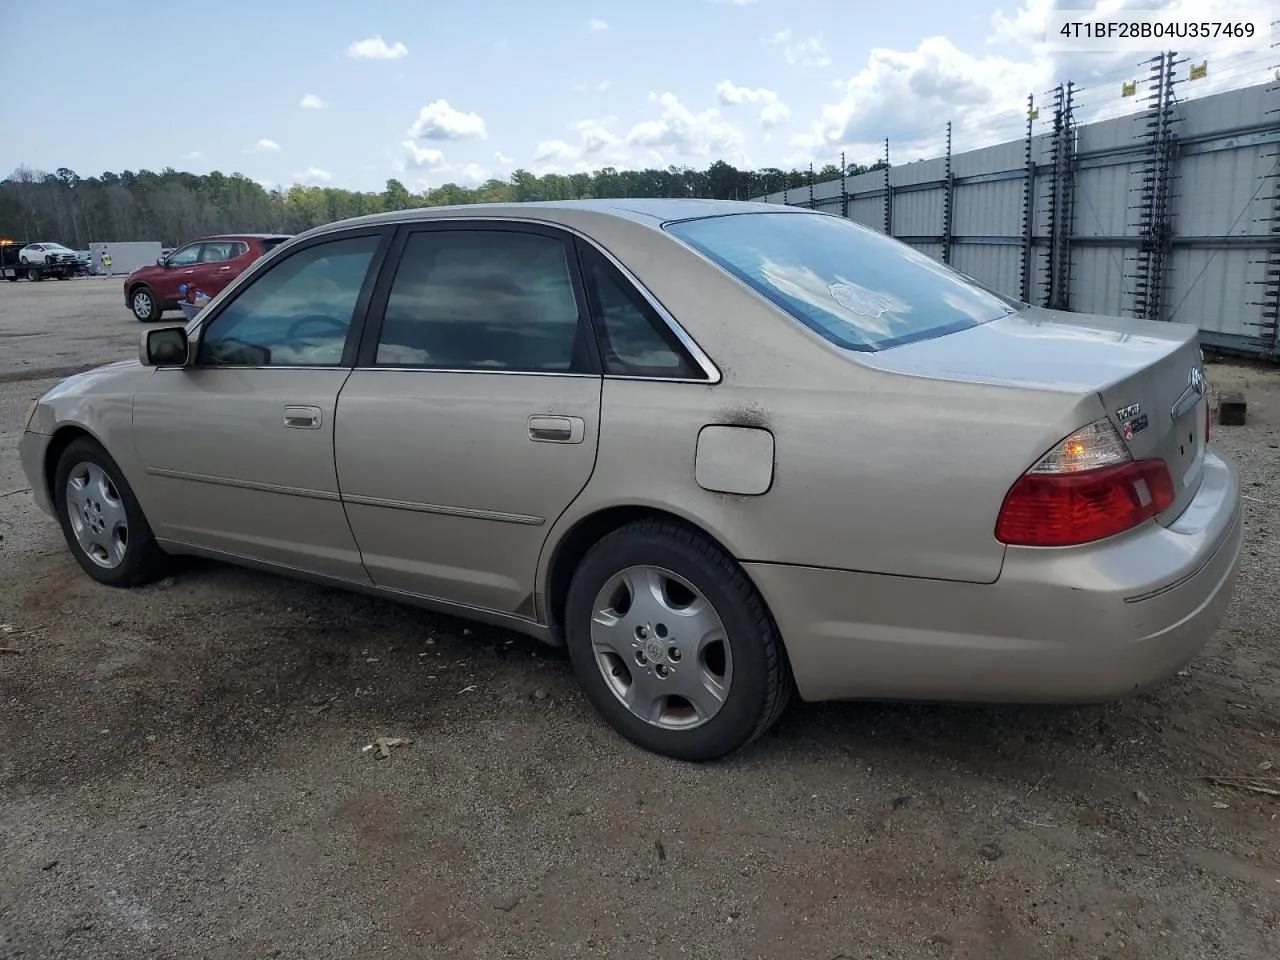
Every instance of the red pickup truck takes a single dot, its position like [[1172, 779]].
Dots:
[[208, 264]]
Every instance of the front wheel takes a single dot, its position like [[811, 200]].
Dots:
[[143, 303], [673, 645], [103, 524]]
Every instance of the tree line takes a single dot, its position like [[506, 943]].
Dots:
[[172, 206]]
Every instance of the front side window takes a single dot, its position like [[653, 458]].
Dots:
[[857, 288], [483, 300], [633, 340], [297, 313], [185, 256]]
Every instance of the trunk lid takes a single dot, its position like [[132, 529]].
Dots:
[[1149, 376]]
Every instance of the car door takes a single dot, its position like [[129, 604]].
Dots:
[[179, 268], [471, 420], [237, 447], [242, 258], [216, 268]]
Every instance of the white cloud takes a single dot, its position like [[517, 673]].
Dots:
[[700, 136], [556, 150], [909, 96], [265, 146], [810, 52], [503, 159], [439, 121], [312, 175], [782, 36], [596, 135], [596, 145], [311, 102], [423, 157], [595, 25], [375, 48], [773, 112], [473, 173]]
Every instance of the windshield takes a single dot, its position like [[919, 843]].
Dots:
[[56, 247], [857, 288]]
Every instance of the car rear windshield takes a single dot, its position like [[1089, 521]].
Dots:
[[856, 287]]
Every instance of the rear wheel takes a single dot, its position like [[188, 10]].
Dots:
[[103, 524], [143, 303], [34, 274], [672, 643]]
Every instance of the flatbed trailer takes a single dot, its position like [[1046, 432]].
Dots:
[[12, 270]]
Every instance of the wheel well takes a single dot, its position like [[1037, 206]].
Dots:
[[62, 438], [584, 535], [139, 285]]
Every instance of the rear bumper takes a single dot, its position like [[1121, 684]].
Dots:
[[1061, 625]]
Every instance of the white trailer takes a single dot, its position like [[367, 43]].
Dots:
[[126, 257]]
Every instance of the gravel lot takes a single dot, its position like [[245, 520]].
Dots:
[[182, 774]]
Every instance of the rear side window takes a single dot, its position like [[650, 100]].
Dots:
[[634, 342], [857, 288], [218, 251], [483, 300]]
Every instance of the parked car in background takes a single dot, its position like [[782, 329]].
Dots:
[[721, 451], [208, 264], [46, 254]]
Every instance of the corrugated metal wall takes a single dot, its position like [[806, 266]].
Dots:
[[1220, 225]]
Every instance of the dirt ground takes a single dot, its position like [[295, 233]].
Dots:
[[185, 772]]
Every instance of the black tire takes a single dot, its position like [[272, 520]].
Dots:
[[24, 261], [761, 683], [152, 309], [34, 274], [143, 559]]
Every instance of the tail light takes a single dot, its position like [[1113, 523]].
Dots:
[[1207, 419], [1086, 488]]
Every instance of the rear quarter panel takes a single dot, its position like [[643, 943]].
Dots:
[[874, 471]]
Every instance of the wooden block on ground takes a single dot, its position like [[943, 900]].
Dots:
[[1232, 409]]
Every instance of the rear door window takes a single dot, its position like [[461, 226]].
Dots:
[[857, 288], [484, 300]]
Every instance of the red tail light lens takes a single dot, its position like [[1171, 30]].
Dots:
[[1086, 488]]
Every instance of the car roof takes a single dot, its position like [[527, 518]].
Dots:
[[244, 236], [650, 211]]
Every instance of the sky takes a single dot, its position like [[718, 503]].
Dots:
[[352, 93]]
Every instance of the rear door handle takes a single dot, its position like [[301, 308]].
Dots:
[[557, 429], [302, 418]]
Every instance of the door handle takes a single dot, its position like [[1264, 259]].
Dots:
[[302, 418], [557, 429], [221, 269]]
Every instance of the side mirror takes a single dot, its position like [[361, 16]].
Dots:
[[161, 262], [166, 347]]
